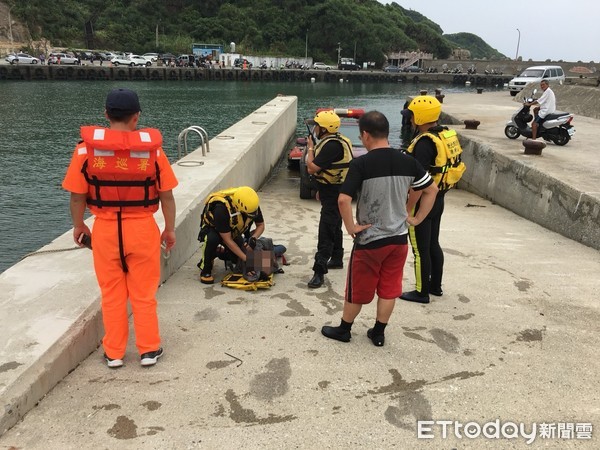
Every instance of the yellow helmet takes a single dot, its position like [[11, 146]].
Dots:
[[245, 199], [328, 120], [426, 109]]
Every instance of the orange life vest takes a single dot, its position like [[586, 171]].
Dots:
[[121, 168]]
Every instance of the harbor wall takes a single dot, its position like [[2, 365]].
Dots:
[[50, 302], [32, 72], [504, 71]]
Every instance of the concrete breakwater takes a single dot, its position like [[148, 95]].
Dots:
[[518, 300], [122, 73], [53, 324], [556, 190]]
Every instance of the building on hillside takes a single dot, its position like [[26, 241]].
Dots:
[[404, 59], [461, 53]]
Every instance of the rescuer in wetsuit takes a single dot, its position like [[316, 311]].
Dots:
[[328, 162]]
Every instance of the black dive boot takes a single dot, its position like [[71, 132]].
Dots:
[[316, 281]]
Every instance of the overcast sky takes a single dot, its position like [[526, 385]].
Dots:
[[554, 29]]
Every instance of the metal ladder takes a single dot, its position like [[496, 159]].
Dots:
[[183, 138]]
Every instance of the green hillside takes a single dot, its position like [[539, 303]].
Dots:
[[272, 27], [478, 47]]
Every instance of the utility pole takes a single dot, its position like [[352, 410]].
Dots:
[[10, 35], [339, 49], [518, 42], [306, 47], [156, 36]]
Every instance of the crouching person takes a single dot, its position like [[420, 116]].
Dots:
[[227, 218]]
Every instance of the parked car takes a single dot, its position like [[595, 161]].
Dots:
[[22, 58], [391, 69], [167, 57], [322, 66], [99, 56], [140, 60], [186, 60], [412, 69], [535, 74], [239, 62], [62, 58], [85, 55], [107, 55], [152, 57], [348, 64], [133, 60], [348, 128]]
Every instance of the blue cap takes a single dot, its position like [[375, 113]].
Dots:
[[122, 102]]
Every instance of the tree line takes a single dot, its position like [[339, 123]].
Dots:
[[366, 29]]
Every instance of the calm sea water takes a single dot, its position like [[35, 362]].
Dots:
[[39, 127]]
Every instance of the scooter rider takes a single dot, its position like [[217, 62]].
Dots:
[[328, 162], [544, 105]]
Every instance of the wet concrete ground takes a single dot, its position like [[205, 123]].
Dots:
[[514, 338]]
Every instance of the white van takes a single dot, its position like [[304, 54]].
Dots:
[[535, 74]]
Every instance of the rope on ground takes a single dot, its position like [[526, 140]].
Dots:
[[58, 250]]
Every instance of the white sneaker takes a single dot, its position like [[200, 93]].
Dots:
[[150, 358], [113, 363]]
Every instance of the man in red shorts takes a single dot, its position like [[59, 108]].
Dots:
[[381, 180]]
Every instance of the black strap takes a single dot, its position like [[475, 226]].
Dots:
[[340, 165], [121, 183], [434, 170], [122, 203], [157, 174], [121, 251]]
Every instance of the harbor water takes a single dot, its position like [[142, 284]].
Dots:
[[39, 123]]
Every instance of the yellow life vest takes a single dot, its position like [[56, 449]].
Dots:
[[336, 174], [238, 221], [448, 167]]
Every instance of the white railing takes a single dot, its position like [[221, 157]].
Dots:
[[410, 62]]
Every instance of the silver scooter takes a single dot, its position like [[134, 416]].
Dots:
[[556, 128]]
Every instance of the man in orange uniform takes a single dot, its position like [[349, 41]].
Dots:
[[122, 174]]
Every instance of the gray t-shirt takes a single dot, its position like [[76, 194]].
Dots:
[[381, 180]]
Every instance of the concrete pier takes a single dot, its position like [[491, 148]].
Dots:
[[557, 190], [514, 338], [49, 306]]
